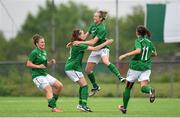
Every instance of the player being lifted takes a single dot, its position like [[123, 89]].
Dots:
[[73, 66], [98, 31], [140, 66]]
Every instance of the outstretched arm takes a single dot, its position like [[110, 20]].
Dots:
[[108, 42], [52, 61], [132, 53], [31, 65], [90, 42], [154, 54]]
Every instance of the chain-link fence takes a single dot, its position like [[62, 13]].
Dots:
[[15, 80]]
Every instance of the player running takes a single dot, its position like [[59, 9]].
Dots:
[[38, 63], [98, 31], [73, 67], [140, 66]]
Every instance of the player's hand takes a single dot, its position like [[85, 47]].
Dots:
[[109, 41], [122, 57], [69, 45], [52, 61], [41, 66], [76, 42]]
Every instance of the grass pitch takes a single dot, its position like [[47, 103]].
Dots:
[[102, 107]]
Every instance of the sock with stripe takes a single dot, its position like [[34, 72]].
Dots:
[[83, 95], [92, 80], [126, 97], [52, 103], [55, 96], [146, 89], [114, 70]]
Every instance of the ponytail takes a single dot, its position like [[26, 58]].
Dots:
[[148, 33], [36, 39], [143, 31], [74, 37]]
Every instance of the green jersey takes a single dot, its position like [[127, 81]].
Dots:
[[142, 61], [38, 57], [74, 61], [98, 30]]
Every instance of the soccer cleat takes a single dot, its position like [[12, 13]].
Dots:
[[122, 79], [56, 110], [84, 108], [49, 106], [122, 109], [94, 90], [152, 95]]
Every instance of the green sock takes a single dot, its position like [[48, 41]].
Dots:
[[84, 95], [92, 79], [114, 70], [80, 99], [52, 103], [126, 96], [55, 96], [146, 89]]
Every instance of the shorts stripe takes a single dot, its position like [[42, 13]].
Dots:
[[76, 74], [37, 80]]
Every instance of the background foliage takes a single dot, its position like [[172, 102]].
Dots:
[[67, 17]]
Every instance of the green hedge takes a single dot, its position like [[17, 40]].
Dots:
[[15, 84]]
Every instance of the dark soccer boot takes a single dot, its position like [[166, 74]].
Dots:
[[94, 91], [152, 96], [122, 109]]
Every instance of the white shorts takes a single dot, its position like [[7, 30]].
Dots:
[[43, 81], [95, 56], [132, 75], [74, 75]]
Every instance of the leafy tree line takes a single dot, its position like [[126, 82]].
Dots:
[[67, 17]]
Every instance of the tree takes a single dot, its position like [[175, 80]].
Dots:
[[66, 16], [127, 26], [3, 47]]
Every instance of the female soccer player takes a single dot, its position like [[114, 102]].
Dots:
[[140, 66], [98, 31], [38, 63], [73, 67]]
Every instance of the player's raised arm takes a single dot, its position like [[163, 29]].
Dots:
[[90, 42], [31, 65], [108, 42], [132, 53]]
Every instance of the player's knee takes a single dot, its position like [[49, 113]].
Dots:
[[82, 82], [59, 86], [48, 89], [88, 70], [129, 84], [106, 62]]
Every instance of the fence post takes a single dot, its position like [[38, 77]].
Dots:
[[171, 82], [21, 91]]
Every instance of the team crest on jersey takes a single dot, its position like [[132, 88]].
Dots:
[[93, 30], [44, 55]]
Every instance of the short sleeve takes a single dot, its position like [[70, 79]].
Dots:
[[137, 44], [32, 56]]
